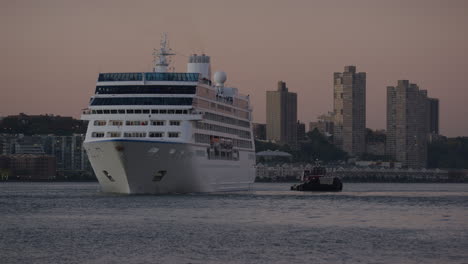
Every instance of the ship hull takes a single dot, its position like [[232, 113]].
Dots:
[[149, 167]]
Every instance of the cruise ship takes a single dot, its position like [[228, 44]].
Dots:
[[170, 132]]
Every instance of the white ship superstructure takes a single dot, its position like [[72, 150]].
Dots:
[[168, 132]]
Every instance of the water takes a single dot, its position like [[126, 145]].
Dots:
[[366, 223]]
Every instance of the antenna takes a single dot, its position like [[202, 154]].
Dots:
[[160, 57]]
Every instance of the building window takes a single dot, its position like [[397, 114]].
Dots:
[[173, 134], [156, 134], [99, 122], [174, 123]]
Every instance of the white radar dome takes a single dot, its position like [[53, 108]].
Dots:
[[220, 78]]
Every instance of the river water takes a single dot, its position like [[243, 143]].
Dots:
[[366, 223]]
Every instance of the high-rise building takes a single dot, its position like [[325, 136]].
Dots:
[[407, 124], [433, 116], [349, 110], [282, 115], [301, 134]]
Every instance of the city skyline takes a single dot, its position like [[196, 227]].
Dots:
[[53, 50]]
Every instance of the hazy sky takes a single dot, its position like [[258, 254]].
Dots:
[[52, 50]]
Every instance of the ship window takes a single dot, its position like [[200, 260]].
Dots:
[[106, 112], [162, 111], [157, 123], [185, 112], [135, 134], [154, 111], [93, 111], [171, 76], [113, 111], [136, 123], [116, 123], [170, 111], [99, 111], [121, 111], [178, 112], [137, 111], [146, 89], [173, 134], [114, 77], [113, 134], [142, 101], [174, 123], [156, 134], [130, 111], [146, 111], [97, 134], [99, 122]]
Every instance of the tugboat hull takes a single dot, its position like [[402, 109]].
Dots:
[[316, 185]]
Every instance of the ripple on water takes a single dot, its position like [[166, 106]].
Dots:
[[74, 223]]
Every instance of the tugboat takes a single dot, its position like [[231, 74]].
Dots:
[[317, 180]]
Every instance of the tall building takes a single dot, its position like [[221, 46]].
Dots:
[[407, 124], [301, 134], [282, 116], [433, 116], [349, 110]]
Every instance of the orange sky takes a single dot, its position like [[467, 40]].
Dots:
[[52, 50]]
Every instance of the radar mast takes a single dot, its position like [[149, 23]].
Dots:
[[161, 59]]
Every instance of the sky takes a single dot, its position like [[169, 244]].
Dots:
[[51, 51]]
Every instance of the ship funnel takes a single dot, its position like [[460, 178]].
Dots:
[[200, 64]]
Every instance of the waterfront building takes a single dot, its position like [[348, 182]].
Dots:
[[375, 142], [407, 124], [281, 111], [259, 131], [324, 124], [349, 110], [70, 155], [301, 134], [28, 166], [433, 116]]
